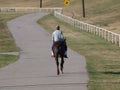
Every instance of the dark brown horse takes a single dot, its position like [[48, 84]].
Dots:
[[59, 50]]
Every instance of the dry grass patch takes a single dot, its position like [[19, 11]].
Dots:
[[7, 43], [19, 3]]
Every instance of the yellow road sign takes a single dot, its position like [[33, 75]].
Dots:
[[66, 2]]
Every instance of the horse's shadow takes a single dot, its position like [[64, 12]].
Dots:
[[111, 72], [68, 74], [72, 73]]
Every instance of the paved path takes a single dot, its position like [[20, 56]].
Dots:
[[36, 70]]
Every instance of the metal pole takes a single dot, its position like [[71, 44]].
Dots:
[[40, 3], [83, 6]]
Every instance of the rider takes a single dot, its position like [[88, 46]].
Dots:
[[57, 35]]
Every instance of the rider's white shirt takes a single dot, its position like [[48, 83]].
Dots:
[[58, 36]]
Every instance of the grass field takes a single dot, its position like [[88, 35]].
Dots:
[[103, 58], [7, 59], [7, 43]]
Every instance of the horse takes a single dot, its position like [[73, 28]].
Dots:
[[59, 51]]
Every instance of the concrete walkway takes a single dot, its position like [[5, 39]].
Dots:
[[36, 70]]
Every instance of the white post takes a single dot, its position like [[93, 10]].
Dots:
[[99, 32], [108, 36], [104, 34], [119, 40], [115, 38], [112, 37]]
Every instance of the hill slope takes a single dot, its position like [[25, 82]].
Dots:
[[104, 13]]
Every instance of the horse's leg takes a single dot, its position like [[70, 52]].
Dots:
[[62, 63], [57, 63]]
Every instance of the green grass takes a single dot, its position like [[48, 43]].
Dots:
[[7, 43], [103, 58], [7, 59]]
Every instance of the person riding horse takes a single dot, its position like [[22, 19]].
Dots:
[[57, 36]]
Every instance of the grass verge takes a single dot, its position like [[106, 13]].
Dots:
[[7, 59], [7, 43], [103, 58]]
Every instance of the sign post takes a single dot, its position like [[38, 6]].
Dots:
[[83, 6]]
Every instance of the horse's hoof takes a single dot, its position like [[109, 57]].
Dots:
[[58, 73]]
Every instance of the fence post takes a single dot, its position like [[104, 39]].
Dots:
[[112, 37], [115, 38], [119, 41], [105, 34], [108, 36], [100, 32], [91, 30]]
